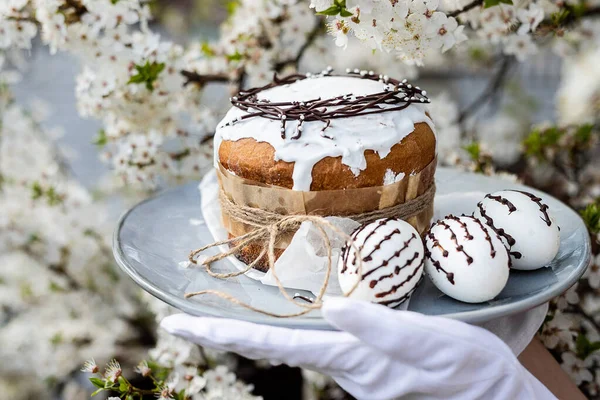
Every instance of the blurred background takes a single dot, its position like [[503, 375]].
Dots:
[[75, 138]]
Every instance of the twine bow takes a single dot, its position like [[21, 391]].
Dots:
[[269, 235], [269, 226]]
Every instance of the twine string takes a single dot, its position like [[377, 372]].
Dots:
[[258, 218], [270, 234]]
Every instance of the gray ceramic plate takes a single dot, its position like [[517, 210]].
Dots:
[[156, 235]]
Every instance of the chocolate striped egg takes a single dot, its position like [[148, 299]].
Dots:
[[392, 256], [466, 259], [524, 223]]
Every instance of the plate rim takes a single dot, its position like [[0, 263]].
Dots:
[[472, 316]]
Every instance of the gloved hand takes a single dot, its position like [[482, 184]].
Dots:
[[379, 353]]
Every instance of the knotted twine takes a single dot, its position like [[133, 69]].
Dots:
[[268, 226]]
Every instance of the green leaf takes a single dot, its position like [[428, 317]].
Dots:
[[160, 373], [26, 291], [231, 6], [474, 150], [109, 270], [583, 134], [33, 238], [101, 139], [559, 17], [207, 50], [56, 339], [477, 54], [237, 56], [492, 3], [345, 13], [147, 73], [579, 9], [97, 382], [180, 395], [137, 79], [583, 347], [53, 197], [36, 190], [55, 287], [591, 217], [123, 386], [333, 10], [96, 392], [538, 141], [51, 381]]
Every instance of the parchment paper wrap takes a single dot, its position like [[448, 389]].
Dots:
[[326, 202]]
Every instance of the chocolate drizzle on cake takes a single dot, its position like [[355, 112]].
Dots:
[[543, 207], [396, 95]]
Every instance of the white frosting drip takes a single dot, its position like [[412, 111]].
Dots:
[[352, 136], [392, 177]]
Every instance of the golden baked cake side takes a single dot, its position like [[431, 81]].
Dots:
[[254, 160]]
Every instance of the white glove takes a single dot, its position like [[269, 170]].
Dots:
[[380, 353]]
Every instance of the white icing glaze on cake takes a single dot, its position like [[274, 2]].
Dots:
[[524, 223], [392, 177], [466, 259], [392, 253], [352, 136]]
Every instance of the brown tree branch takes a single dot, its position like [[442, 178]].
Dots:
[[194, 77], [494, 86], [200, 79], [468, 7], [310, 39]]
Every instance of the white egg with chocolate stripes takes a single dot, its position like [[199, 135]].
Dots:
[[466, 259], [392, 256], [524, 223]]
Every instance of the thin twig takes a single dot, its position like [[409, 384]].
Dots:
[[496, 83], [468, 7], [310, 39], [194, 77], [200, 79]]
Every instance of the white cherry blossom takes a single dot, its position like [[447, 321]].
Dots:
[[521, 46], [576, 368], [530, 18]]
